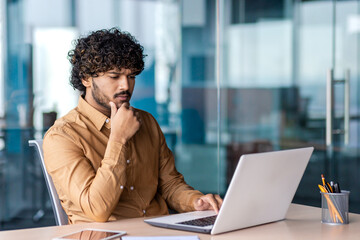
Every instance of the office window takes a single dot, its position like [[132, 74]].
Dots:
[[269, 94], [2, 56]]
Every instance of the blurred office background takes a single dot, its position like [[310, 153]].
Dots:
[[222, 77]]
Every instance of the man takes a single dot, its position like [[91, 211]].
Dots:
[[108, 160]]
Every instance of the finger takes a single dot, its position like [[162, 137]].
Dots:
[[199, 204], [219, 200], [213, 203], [125, 105], [113, 109]]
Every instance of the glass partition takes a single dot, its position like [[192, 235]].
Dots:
[[178, 87], [2, 54], [277, 59], [222, 78], [197, 154]]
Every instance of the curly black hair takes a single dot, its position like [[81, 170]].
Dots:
[[102, 51]]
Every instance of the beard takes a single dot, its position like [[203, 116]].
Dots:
[[100, 97], [103, 100]]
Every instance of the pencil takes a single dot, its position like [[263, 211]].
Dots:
[[329, 186], [331, 204], [323, 179], [331, 211]]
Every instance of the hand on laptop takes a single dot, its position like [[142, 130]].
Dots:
[[208, 202]]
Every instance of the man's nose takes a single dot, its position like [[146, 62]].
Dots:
[[123, 83]]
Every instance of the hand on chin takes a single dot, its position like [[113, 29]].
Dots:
[[119, 104]]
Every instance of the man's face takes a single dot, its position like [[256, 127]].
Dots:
[[114, 85]]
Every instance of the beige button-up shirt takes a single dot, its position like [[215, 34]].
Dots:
[[101, 180]]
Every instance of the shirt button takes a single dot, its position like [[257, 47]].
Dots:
[[121, 187], [107, 120], [131, 188], [128, 161]]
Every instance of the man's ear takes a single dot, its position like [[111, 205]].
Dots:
[[86, 82]]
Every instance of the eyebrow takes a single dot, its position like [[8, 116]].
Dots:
[[118, 73]]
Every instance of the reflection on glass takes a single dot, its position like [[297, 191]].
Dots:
[[178, 85], [275, 55], [274, 84]]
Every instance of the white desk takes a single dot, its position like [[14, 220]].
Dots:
[[302, 222]]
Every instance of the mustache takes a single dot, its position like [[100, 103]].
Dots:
[[122, 94]]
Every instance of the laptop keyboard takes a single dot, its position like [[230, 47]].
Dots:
[[201, 222]]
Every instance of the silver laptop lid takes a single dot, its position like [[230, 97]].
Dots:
[[262, 188], [260, 191]]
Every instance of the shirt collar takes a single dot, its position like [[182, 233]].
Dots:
[[96, 117]]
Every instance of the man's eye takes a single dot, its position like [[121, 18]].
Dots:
[[131, 77], [114, 77]]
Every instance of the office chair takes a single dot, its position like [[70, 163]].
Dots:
[[60, 216]]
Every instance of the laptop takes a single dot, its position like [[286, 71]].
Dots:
[[260, 192]]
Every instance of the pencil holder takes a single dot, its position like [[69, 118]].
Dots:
[[335, 208]]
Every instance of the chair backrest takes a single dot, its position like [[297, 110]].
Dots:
[[60, 216]]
